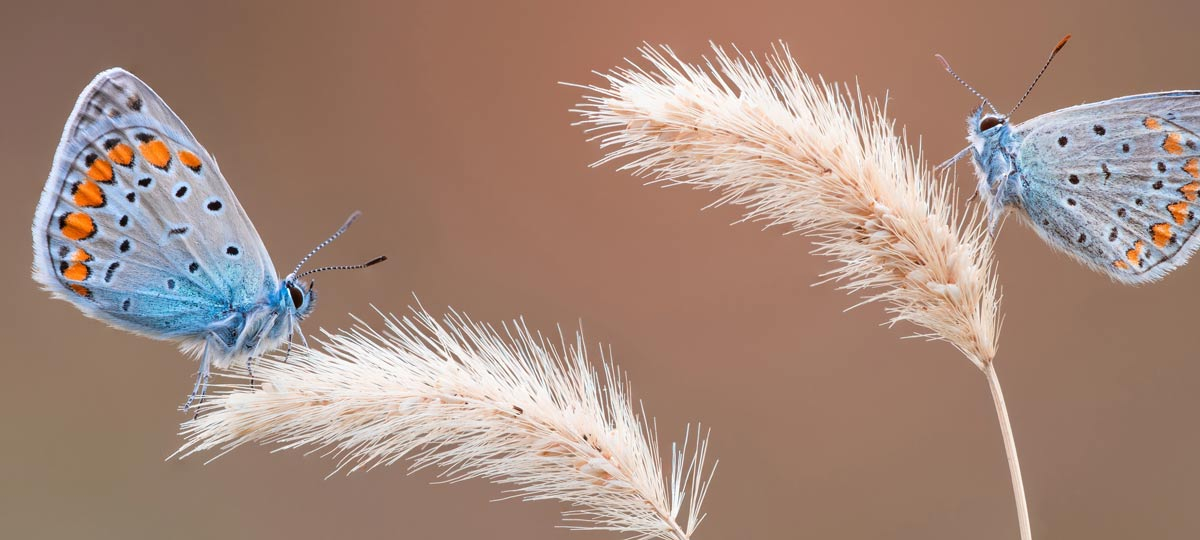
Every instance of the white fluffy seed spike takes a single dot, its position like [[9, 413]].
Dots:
[[510, 406], [820, 161], [807, 156]]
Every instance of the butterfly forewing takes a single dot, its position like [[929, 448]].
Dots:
[[1115, 183], [137, 226]]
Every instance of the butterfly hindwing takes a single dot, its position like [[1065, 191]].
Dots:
[[1115, 183], [136, 225]]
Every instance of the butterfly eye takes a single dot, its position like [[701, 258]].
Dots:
[[297, 295], [989, 123]]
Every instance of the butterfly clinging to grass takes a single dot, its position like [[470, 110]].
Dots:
[[1113, 184], [138, 228]]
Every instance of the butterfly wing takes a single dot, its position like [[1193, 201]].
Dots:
[[137, 227], [1114, 183]]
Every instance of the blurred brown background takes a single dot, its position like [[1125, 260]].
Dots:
[[445, 124]]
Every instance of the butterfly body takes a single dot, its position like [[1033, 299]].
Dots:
[[137, 227], [1113, 184]]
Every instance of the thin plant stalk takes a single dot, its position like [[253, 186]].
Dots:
[[1010, 449], [822, 161]]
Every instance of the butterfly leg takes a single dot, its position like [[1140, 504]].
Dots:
[[303, 340], [287, 351], [946, 164], [202, 376], [250, 372], [291, 334]]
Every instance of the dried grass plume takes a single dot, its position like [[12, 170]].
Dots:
[[808, 156], [508, 405], [802, 154]]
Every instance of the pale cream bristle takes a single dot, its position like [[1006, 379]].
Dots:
[[804, 155], [510, 406], [822, 161]]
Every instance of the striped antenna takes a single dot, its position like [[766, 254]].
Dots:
[[946, 65], [374, 261], [346, 225], [1061, 43]]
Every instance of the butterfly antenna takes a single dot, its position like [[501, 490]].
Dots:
[[1061, 43], [946, 65], [371, 262], [346, 225]]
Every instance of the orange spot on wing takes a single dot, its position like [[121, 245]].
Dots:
[[1190, 190], [1179, 211], [156, 153], [100, 171], [1121, 264], [80, 256], [1134, 255], [80, 290], [77, 226], [1151, 123], [88, 195], [1162, 234], [1173, 144], [1192, 167], [76, 272], [122, 154], [190, 160]]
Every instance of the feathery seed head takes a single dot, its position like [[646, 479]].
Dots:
[[510, 406], [817, 160]]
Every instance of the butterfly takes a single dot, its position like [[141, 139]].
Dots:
[[137, 227], [1113, 184]]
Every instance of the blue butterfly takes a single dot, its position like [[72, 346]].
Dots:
[[1112, 184], [137, 228]]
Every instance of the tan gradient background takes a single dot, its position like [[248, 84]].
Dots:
[[445, 124]]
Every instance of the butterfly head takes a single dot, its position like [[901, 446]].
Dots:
[[990, 121], [301, 298], [982, 124]]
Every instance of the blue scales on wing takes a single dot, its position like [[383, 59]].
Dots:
[[1115, 183], [137, 227]]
